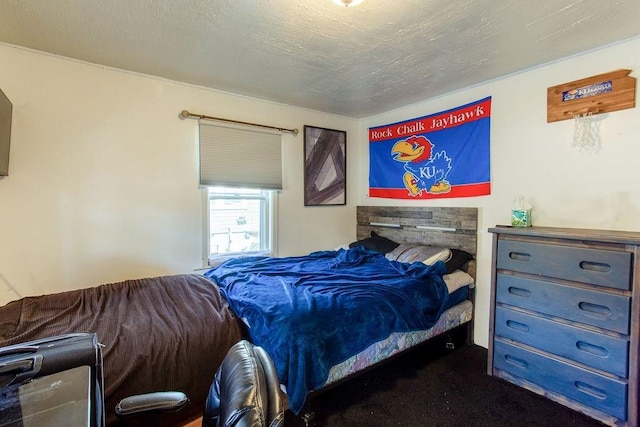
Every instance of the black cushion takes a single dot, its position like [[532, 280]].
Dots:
[[376, 243], [458, 259]]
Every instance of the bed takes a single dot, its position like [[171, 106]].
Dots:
[[158, 334], [326, 316], [172, 332]]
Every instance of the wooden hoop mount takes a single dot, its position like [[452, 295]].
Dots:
[[598, 94]]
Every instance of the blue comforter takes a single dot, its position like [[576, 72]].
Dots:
[[312, 312]]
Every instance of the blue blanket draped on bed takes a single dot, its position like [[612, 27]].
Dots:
[[312, 312]]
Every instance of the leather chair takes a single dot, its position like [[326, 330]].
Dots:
[[246, 390]]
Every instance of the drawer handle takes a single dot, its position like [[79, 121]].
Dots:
[[521, 327], [519, 292], [598, 309], [517, 362], [596, 350], [595, 266], [591, 390], [520, 256]]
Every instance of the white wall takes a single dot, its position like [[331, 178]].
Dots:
[[533, 158], [103, 180]]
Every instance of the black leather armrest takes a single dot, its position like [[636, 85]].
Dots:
[[160, 401]]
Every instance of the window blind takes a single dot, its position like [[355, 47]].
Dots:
[[237, 157]]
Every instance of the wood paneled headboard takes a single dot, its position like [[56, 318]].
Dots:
[[450, 227]]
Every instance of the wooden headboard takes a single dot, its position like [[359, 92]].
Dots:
[[449, 227]]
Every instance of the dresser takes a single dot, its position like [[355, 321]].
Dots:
[[564, 321]]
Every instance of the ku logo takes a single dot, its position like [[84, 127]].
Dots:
[[423, 170]]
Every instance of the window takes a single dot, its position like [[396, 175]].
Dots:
[[240, 222], [241, 169]]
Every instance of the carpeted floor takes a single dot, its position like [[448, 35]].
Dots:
[[436, 387]]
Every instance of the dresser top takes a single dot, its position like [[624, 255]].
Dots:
[[610, 236]]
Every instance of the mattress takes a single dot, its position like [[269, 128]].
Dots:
[[400, 341]]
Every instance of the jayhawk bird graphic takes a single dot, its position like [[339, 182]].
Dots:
[[424, 171]]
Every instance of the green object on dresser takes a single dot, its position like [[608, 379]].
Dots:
[[521, 217]]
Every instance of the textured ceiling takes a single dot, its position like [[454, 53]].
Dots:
[[355, 62]]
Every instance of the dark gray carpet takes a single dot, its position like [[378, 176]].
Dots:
[[432, 386]]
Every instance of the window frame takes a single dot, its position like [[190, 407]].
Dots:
[[267, 221]]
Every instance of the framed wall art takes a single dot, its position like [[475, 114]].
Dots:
[[325, 166]]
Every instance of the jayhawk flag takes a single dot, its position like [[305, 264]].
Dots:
[[437, 156]]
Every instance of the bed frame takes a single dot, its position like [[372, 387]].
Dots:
[[450, 227]]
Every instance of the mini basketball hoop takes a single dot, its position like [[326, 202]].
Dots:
[[586, 134]]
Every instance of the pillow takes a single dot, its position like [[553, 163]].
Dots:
[[376, 243], [444, 255], [418, 253], [458, 259], [457, 279]]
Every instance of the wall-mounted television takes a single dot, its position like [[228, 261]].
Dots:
[[6, 110]]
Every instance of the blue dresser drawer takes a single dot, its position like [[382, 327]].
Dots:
[[593, 266], [595, 308], [604, 352], [597, 391]]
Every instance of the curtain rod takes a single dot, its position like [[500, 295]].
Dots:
[[187, 114]]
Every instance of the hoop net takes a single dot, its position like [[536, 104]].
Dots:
[[586, 135]]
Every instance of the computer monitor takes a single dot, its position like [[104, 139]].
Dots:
[[58, 400]]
